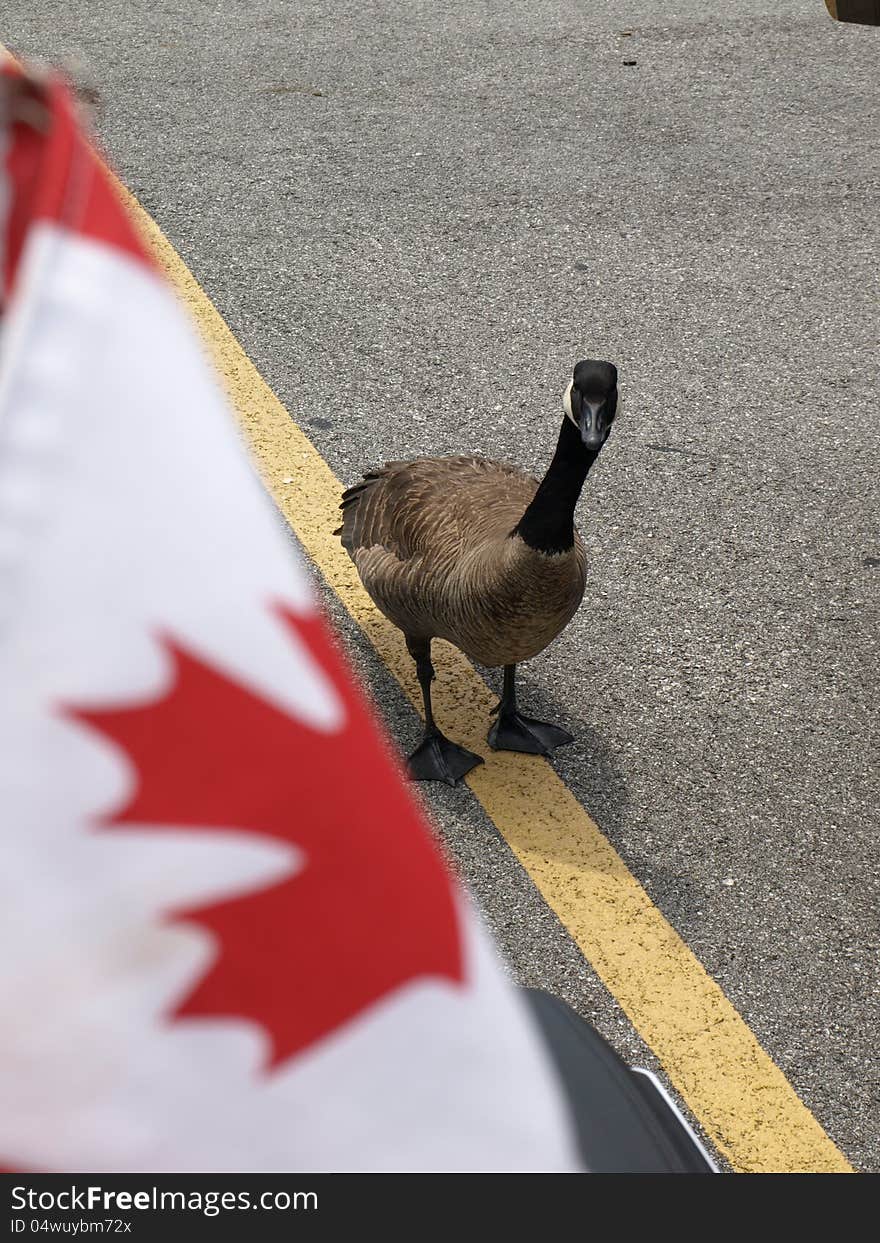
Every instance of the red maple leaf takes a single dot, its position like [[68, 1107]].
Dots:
[[373, 906]]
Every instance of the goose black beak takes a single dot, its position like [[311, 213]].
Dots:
[[593, 424]]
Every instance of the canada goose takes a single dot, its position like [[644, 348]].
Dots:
[[479, 553]]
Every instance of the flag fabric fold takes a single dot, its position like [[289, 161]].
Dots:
[[230, 942]]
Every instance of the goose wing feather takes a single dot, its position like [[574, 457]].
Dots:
[[431, 507], [429, 539]]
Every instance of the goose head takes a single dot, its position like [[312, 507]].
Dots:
[[590, 401]]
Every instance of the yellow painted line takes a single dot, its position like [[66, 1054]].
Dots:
[[741, 1098]]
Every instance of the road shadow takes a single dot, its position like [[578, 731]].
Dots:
[[588, 766]]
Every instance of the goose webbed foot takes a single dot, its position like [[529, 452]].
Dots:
[[436, 758], [514, 732]]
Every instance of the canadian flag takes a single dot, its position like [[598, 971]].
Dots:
[[229, 942]]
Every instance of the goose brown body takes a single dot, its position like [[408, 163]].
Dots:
[[433, 541]]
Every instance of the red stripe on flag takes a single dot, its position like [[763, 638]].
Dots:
[[54, 174]]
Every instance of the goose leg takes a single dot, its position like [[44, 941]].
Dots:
[[436, 758], [514, 732]]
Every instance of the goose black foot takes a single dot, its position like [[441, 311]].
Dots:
[[512, 732], [438, 759]]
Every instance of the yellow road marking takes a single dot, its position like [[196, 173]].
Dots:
[[740, 1097]]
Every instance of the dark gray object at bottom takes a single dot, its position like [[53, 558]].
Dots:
[[625, 1123]]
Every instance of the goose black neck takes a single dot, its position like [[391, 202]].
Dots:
[[548, 523]]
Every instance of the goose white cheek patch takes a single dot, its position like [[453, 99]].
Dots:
[[566, 402]]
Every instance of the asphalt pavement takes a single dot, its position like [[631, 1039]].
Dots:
[[416, 218]]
